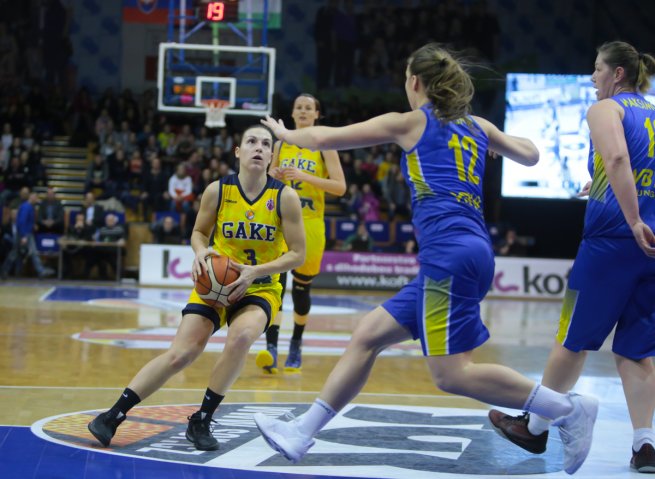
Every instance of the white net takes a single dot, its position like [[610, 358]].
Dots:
[[215, 113]]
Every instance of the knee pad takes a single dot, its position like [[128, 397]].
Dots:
[[301, 299]]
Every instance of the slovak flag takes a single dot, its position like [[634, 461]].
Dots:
[[147, 6]]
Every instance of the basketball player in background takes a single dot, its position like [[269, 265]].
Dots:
[[612, 282], [311, 173], [444, 151], [255, 217]]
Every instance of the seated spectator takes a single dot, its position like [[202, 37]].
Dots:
[[97, 176], [7, 234], [155, 195], [166, 231], [78, 231], [134, 186], [102, 126], [369, 209], [7, 137], [351, 201], [189, 219], [398, 196], [15, 179], [512, 245], [205, 142], [180, 188], [224, 140], [185, 142], [93, 213], [410, 246], [51, 214], [111, 232], [360, 240]]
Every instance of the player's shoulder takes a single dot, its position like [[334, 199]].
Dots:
[[274, 184]]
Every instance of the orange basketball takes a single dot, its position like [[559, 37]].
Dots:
[[210, 285]]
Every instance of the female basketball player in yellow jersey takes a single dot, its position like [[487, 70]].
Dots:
[[248, 217], [311, 174]]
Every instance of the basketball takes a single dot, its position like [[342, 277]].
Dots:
[[210, 284]]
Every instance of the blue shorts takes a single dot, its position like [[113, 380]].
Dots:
[[441, 306], [612, 283]]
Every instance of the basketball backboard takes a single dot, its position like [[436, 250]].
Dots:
[[189, 74]]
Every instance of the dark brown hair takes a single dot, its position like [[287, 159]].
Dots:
[[252, 127], [447, 84], [638, 67], [317, 104]]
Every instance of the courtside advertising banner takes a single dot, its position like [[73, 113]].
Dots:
[[165, 265], [514, 277], [170, 265]]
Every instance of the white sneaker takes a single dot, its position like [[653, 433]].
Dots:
[[576, 430], [284, 437]]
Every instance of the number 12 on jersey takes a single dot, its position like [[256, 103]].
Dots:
[[469, 145]]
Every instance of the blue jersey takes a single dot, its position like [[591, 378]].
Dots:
[[603, 216], [444, 172]]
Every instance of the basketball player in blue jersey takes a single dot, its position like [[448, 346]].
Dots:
[[444, 149], [234, 214], [612, 283]]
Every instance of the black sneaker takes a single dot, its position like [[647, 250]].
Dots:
[[643, 460], [199, 432], [103, 427], [515, 429]]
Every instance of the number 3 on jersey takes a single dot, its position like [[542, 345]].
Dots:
[[250, 253], [468, 144]]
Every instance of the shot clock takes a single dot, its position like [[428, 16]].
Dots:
[[225, 11]]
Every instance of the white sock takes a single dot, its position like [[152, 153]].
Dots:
[[538, 424], [641, 437], [548, 403], [315, 419]]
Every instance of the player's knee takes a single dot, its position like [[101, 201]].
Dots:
[[181, 358], [447, 382], [302, 302]]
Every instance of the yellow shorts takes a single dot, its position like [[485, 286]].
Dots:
[[315, 246], [266, 296]]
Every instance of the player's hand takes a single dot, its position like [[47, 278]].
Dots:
[[247, 274], [292, 173], [199, 266], [493, 154], [645, 238], [585, 190], [277, 127], [276, 172]]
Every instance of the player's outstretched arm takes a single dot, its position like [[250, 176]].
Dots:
[[404, 129], [516, 148]]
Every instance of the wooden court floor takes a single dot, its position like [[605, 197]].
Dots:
[[67, 349]]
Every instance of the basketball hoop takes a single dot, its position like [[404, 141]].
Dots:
[[215, 113]]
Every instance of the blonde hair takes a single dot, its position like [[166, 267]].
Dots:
[[638, 67], [447, 84]]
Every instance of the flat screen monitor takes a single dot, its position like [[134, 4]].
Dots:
[[550, 110]]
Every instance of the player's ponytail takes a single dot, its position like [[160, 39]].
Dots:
[[447, 84], [638, 67], [646, 72]]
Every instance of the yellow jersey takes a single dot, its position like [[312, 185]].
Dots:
[[249, 232], [312, 199]]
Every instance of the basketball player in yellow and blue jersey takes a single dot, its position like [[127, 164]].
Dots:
[[612, 283], [444, 151], [311, 173], [252, 218]]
